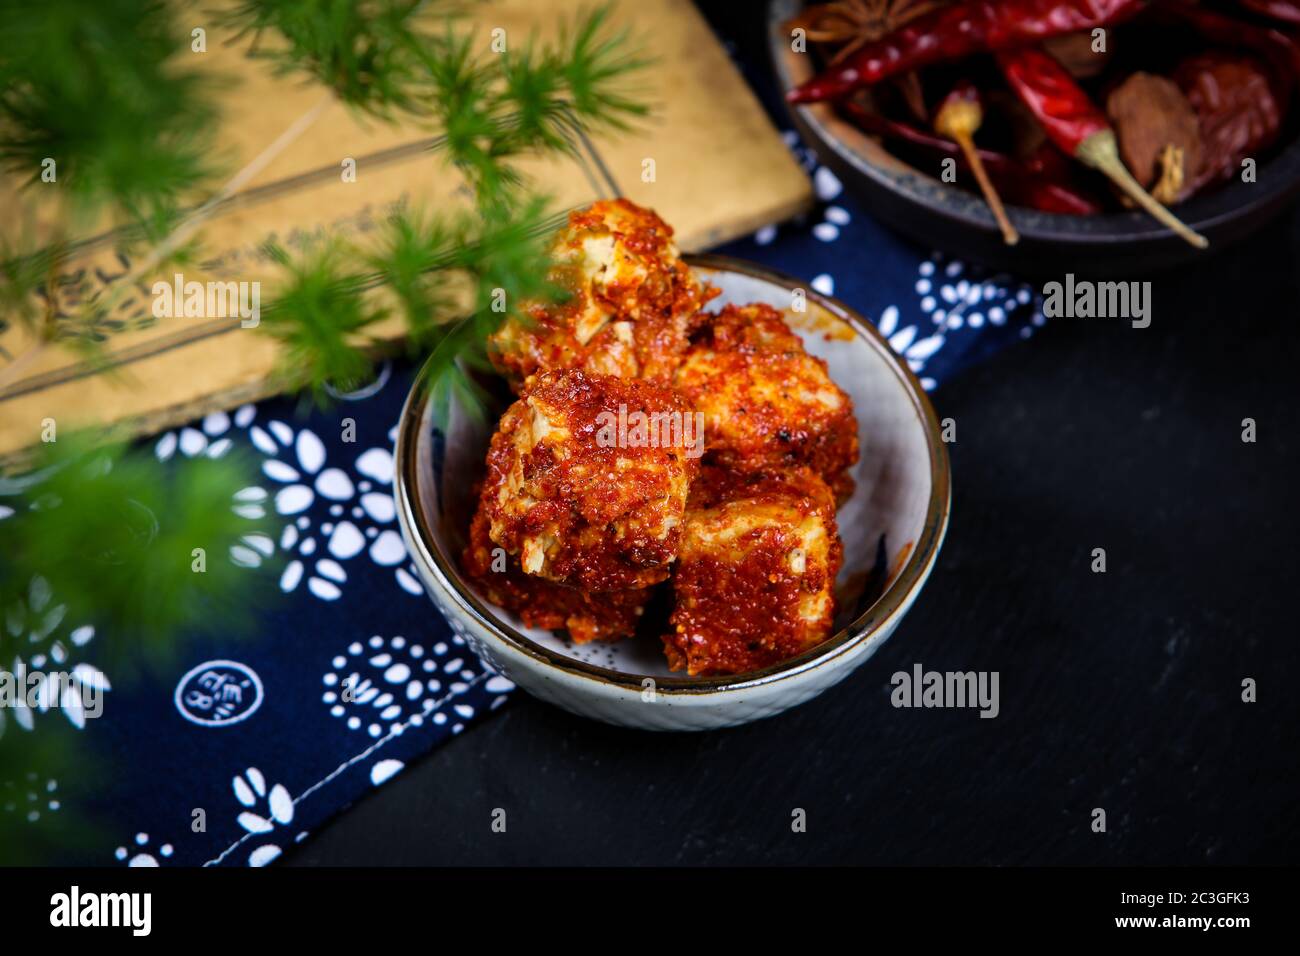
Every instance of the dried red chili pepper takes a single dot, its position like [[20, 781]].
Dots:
[[1050, 197], [1037, 183], [1234, 104], [1281, 50], [1078, 53], [1284, 10], [954, 32], [959, 116], [1079, 128]]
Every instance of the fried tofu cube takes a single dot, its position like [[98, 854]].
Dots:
[[587, 616], [755, 576], [631, 307], [580, 490], [766, 402]]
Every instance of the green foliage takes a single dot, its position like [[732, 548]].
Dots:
[[503, 263], [533, 97], [321, 317], [597, 66], [412, 261], [100, 87], [108, 537], [145, 148], [362, 50]]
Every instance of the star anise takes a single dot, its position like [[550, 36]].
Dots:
[[855, 22]]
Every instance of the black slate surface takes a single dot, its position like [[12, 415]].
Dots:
[[1119, 690]]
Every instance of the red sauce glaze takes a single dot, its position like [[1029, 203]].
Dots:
[[717, 484], [767, 403], [590, 526], [647, 294], [586, 615], [741, 602], [608, 517]]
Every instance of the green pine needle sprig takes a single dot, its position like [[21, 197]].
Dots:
[[531, 98], [323, 319], [599, 67], [101, 87], [415, 251], [103, 535], [361, 50]]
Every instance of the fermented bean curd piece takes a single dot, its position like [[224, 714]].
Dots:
[[755, 575], [578, 501], [587, 616], [632, 301], [766, 402]]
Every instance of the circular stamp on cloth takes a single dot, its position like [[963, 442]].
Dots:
[[218, 693]]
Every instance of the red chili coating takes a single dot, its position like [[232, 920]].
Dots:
[[754, 581], [573, 529], [951, 33], [631, 301], [577, 501], [587, 615], [766, 402]]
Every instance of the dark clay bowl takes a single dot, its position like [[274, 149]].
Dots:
[[947, 217]]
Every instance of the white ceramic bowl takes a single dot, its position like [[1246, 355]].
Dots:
[[892, 528]]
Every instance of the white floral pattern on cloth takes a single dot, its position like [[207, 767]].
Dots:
[[950, 302], [332, 514], [39, 616], [271, 810], [953, 301], [384, 684], [265, 810], [336, 512], [143, 854], [328, 500]]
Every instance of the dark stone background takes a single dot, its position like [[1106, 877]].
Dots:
[[1119, 690]]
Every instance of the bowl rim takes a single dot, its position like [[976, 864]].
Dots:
[[1204, 213], [896, 597]]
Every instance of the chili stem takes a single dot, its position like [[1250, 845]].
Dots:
[[1101, 152], [1009, 234]]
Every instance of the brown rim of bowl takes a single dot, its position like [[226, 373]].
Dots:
[[899, 592]]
